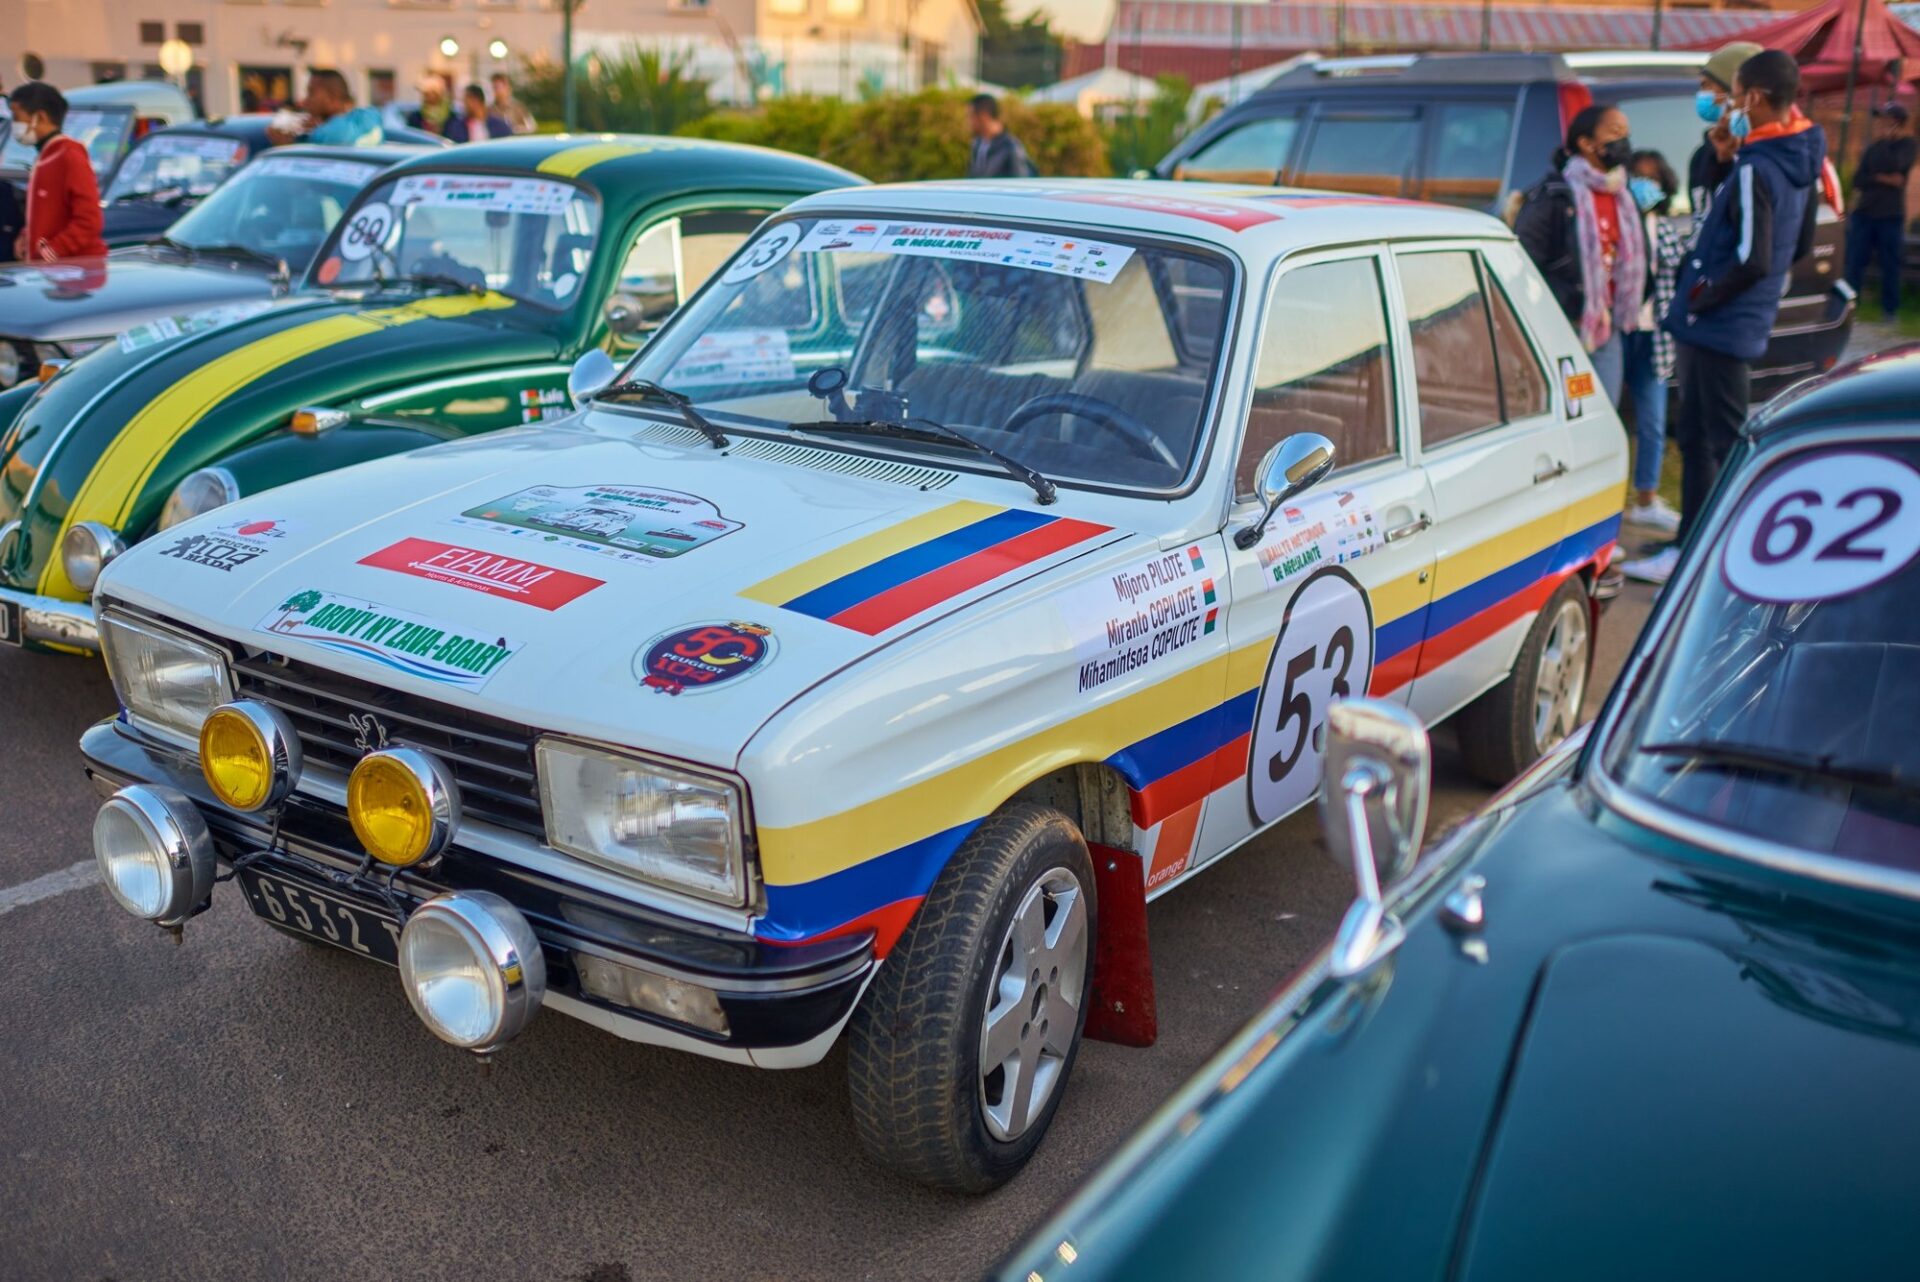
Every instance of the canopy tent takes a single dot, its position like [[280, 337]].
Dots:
[[1821, 40]]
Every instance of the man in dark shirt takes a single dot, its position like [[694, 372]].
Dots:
[[1875, 231], [1713, 159], [996, 152]]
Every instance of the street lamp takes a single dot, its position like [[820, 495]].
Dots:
[[497, 49], [449, 47], [176, 59]]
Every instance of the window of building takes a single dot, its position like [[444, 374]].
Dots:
[[194, 33], [1453, 365], [1469, 156], [380, 86], [1324, 367], [1371, 153], [846, 8], [1254, 153], [153, 33], [106, 72], [787, 8]]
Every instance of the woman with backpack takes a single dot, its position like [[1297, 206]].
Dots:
[[1580, 226]]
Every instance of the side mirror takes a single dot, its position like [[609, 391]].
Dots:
[[590, 373], [1300, 461], [622, 319], [1373, 809]]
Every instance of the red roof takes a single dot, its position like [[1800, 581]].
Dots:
[[1821, 40]]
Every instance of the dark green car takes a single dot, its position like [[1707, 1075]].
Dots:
[[1652, 1013], [453, 297]]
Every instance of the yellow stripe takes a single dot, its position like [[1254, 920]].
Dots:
[[575, 161], [1473, 564], [120, 475], [862, 552]]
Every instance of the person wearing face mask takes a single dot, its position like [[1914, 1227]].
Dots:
[[63, 198], [1728, 293], [1649, 349], [1712, 160], [1580, 227]]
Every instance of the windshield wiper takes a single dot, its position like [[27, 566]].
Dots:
[[179, 247], [646, 389], [1755, 757], [242, 251], [430, 280], [928, 429]]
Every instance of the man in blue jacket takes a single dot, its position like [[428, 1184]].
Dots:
[[1730, 285]]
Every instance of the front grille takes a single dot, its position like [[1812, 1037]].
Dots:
[[491, 759]]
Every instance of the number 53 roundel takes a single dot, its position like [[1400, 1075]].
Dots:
[[1324, 652]]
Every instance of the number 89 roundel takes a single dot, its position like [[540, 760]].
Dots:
[[1324, 652]]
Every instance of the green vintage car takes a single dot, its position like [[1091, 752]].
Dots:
[[452, 298]]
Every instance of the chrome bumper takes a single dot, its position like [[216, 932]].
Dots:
[[45, 620]]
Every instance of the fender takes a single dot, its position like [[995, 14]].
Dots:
[[281, 456], [12, 401]]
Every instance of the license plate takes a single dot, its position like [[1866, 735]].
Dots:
[[322, 913], [10, 623]]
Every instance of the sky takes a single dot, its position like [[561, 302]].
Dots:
[[1081, 19]]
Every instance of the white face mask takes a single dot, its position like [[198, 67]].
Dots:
[[23, 134]]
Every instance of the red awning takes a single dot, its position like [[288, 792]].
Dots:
[[1821, 40]]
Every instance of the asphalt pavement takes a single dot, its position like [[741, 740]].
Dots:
[[245, 1106]]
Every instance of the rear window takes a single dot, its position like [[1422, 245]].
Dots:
[[1467, 153]]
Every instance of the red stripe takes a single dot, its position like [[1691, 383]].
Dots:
[[1446, 646], [887, 923], [896, 605], [1189, 784], [1393, 673]]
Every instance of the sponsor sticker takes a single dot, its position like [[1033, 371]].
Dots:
[[484, 191], [1823, 526], [1141, 615], [762, 254], [399, 640], [538, 403], [1578, 385], [1328, 529], [629, 522], [1059, 254], [350, 173], [703, 655], [737, 356], [170, 327], [485, 572], [230, 545]]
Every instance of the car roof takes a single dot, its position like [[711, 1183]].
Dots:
[[146, 97], [1481, 69], [1877, 389], [638, 165], [252, 126], [386, 153], [1252, 221]]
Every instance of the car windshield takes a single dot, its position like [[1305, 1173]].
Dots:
[[1783, 702], [176, 166], [103, 131], [529, 238], [278, 206], [1085, 359]]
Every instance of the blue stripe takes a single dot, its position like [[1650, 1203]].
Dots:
[[1185, 742], [1460, 605], [802, 911], [863, 584], [1390, 640]]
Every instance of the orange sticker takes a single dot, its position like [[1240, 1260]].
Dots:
[[1579, 386], [329, 271]]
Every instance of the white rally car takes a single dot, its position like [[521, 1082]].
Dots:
[[979, 576]]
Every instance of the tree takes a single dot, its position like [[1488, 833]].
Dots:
[[1021, 55]]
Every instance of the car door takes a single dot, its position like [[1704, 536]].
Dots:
[[1496, 452], [1328, 601]]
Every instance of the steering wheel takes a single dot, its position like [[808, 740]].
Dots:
[[1142, 439]]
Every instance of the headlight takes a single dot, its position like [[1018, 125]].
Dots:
[[154, 852], [168, 683], [199, 493], [472, 968], [85, 552], [668, 825], [13, 360]]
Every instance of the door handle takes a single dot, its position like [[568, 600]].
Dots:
[[1546, 474], [1410, 529]]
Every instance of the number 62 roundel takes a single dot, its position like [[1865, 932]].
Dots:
[[1324, 652]]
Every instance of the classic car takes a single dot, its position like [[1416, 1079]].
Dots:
[[980, 577], [448, 300], [248, 242], [1653, 1012], [108, 118]]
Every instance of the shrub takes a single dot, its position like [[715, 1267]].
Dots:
[[639, 91]]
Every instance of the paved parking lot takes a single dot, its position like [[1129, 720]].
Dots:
[[243, 1106]]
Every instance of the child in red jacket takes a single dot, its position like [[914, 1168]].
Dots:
[[63, 198]]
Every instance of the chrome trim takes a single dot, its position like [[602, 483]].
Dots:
[[283, 748], [46, 620], [501, 941], [442, 793], [229, 489], [175, 827], [106, 546], [444, 384], [325, 419], [1464, 910]]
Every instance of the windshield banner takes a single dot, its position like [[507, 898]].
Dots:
[[1034, 251], [510, 195], [350, 172]]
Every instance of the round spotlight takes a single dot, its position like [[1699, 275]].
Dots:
[[449, 47], [403, 805], [497, 49], [85, 552], [250, 755], [472, 968], [154, 852]]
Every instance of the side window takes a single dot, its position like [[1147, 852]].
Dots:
[[1453, 366], [1371, 154], [1253, 153], [1469, 153], [672, 259], [1324, 367], [1523, 384]]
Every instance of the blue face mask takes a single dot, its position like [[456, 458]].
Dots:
[[1646, 192], [1708, 107], [1739, 123]]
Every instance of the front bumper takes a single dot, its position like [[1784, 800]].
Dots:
[[784, 1004], [46, 620]]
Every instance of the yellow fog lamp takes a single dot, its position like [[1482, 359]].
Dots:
[[250, 755], [403, 804]]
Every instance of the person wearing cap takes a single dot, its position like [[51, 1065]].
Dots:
[[1713, 158], [1877, 227]]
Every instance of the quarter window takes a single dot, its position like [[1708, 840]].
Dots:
[[1371, 154], [1453, 366], [1253, 153], [1323, 367], [1523, 384], [1469, 153]]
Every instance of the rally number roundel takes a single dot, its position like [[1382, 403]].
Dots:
[[762, 254], [1324, 652], [1823, 526], [366, 231]]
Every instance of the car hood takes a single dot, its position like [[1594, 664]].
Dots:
[[100, 297], [1684, 1108], [578, 551], [112, 435]]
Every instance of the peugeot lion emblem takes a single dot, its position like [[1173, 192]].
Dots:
[[369, 732]]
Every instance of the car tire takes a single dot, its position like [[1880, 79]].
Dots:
[[1512, 725], [922, 1103]]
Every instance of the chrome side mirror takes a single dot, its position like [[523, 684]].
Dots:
[[622, 319], [1373, 809], [1300, 461], [590, 373]]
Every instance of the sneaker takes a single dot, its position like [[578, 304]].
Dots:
[[1656, 516], [1657, 568]]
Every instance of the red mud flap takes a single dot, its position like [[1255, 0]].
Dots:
[[1121, 1004]]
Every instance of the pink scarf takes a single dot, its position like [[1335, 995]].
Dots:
[[1629, 261]]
